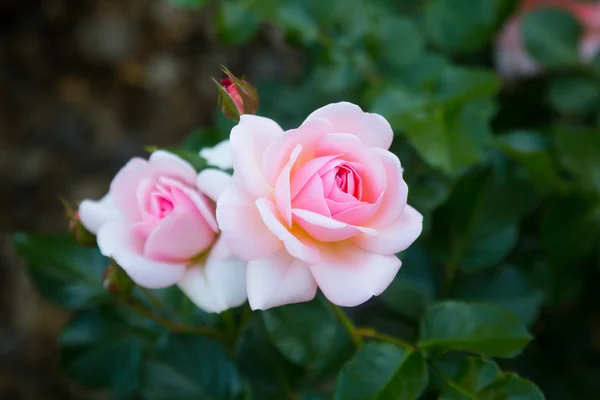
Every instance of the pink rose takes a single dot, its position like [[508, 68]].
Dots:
[[511, 55], [158, 223], [322, 205]]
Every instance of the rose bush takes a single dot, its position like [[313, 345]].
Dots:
[[321, 205], [158, 223]]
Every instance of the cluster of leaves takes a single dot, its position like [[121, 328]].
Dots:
[[507, 176]]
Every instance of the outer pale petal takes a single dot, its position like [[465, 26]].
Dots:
[[277, 280], [325, 229], [303, 250], [213, 183], [94, 214], [242, 226], [279, 152], [116, 240], [124, 186], [349, 276], [395, 238], [283, 198], [219, 156], [396, 191], [219, 283], [165, 164], [372, 129], [249, 140]]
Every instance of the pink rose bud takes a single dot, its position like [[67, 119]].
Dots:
[[236, 96], [116, 281], [321, 206], [158, 223]]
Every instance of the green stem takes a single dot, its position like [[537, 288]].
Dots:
[[372, 333], [348, 325], [172, 326]]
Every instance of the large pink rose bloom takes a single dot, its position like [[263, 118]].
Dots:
[[158, 223], [511, 56], [322, 205]]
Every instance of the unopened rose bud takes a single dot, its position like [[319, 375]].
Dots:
[[236, 96], [116, 281], [81, 235]]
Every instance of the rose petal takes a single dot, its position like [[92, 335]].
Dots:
[[278, 280], [395, 238], [296, 247], [311, 197], [282, 188], [213, 183], [94, 214], [325, 229], [249, 140], [396, 191], [219, 156], [197, 199], [219, 283], [179, 237], [242, 226], [116, 240], [278, 153], [372, 129], [165, 164], [349, 276], [124, 186], [352, 151], [305, 173]]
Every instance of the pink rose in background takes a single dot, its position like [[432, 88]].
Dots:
[[510, 53], [158, 223], [322, 205]]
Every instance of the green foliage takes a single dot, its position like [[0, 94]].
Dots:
[[479, 328], [383, 371], [552, 37], [62, 271]]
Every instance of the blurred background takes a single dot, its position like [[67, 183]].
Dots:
[[494, 103]]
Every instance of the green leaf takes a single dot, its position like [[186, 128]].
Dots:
[[507, 287], [382, 371], [303, 332], [99, 349], [190, 367], [574, 94], [478, 328], [511, 387], [63, 271], [531, 151], [296, 18], [413, 289], [478, 226], [457, 26], [448, 125], [397, 41], [464, 378], [237, 23], [579, 152], [552, 37], [271, 376]]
